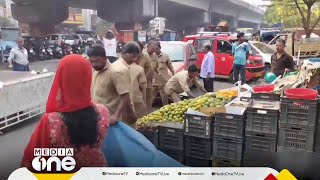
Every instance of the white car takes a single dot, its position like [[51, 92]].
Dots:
[[64, 38], [266, 52]]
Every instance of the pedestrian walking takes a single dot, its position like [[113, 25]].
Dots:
[[110, 44], [71, 120], [161, 79], [111, 83], [281, 61], [18, 57], [150, 51], [181, 82], [207, 72], [240, 51], [139, 87]]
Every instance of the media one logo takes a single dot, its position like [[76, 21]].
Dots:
[[46, 157]]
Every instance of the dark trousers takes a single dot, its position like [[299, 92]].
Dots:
[[112, 59], [239, 70], [19, 67], [208, 84]]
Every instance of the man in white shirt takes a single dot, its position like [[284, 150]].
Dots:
[[207, 69], [18, 57], [110, 44]]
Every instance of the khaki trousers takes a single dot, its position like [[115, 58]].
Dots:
[[149, 94], [174, 96], [140, 109], [163, 95]]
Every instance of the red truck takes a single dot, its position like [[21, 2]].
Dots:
[[222, 48]]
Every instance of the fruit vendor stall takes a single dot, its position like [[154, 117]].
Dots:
[[222, 129]]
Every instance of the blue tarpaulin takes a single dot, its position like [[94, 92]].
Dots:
[[125, 147]]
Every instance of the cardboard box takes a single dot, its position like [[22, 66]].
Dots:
[[237, 107], [210, 111]]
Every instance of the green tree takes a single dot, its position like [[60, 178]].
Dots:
[[311, 17], [295, 13]]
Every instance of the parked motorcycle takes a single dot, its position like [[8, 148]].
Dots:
[[48, 50], [57, 51], [43, 55], [32, 55], [76, 49], [67, 49]]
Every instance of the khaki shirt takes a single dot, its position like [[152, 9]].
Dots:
[[154, 60], [145, 62], [181, 82], [138, 82], [164, 63], [108, 84]]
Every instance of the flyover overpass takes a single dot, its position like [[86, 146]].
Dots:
[[42, 15]]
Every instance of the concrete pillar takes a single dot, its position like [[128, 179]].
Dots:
[[257, 27], [41, 16], [235, 24], [191, 20], [127, 10], [37, 29]]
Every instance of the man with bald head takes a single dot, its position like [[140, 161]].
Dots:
[[18, 57]]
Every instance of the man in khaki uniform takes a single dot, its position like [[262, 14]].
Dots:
[[139, 87], [144, 60], [181, 82], [111, 83], [150, 50], [161, 79]]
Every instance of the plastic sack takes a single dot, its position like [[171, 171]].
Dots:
[[125, 147]]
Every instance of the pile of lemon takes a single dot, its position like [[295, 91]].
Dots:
[[228, 94], [175, 112]]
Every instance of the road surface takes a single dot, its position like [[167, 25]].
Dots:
[[14, 140]]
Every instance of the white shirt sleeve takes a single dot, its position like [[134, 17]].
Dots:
[[11, 56], [210, 63]]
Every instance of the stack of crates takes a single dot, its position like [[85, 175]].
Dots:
[[262, 123], [228, 140], [171, 141], [298, 122], [198, 140]]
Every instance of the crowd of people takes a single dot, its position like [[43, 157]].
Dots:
[[89, 95]]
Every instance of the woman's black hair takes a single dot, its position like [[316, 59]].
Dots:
[[82, 126]]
